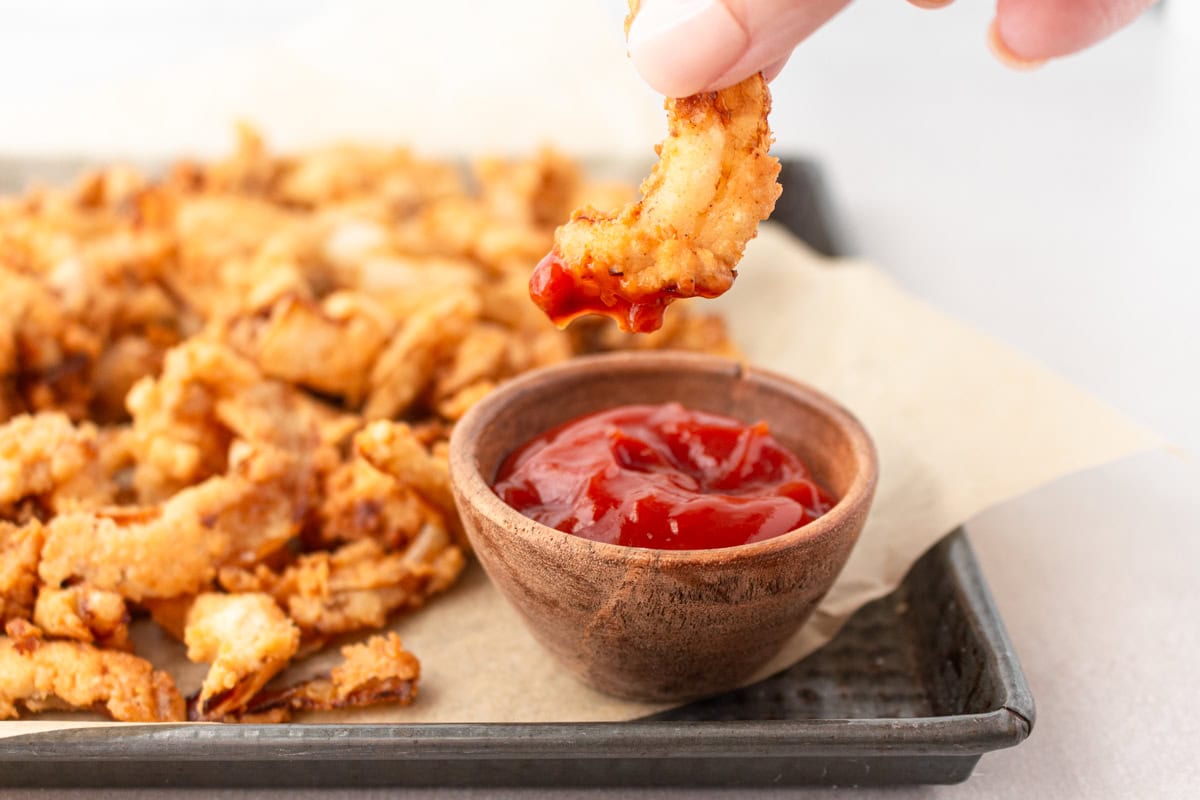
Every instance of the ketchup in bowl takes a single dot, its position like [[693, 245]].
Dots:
[[664, 477]]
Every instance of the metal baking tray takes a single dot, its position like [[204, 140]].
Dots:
[[915, 688]]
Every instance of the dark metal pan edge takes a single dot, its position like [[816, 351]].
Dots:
[[957, 735], [977, 601]]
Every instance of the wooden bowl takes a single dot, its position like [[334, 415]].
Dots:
[[661, 625]]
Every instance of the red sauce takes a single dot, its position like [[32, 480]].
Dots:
[[564, 297], [664, 477]]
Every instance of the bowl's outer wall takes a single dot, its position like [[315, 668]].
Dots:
[[630, 621]]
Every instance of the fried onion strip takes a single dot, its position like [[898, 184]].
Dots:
[[714, 182], [246, 638], [79, 676], [376, 671]]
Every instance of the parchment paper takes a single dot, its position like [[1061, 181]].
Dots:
[[961, 423]]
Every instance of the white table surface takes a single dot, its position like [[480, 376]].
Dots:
[[1060, 212]]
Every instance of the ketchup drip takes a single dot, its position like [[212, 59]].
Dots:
[[563, 297], [663, 477]]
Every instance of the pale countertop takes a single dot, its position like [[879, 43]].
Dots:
[[1060, 212]]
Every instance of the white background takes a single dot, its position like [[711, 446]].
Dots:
[[1058, 210]]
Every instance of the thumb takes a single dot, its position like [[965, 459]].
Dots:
[[681, 47]]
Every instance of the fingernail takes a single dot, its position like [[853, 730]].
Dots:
[[680, 46], [1004, 53], [931, 4]]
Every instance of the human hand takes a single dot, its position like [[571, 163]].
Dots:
[[681, 47]]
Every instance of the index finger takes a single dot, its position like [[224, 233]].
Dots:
[[681, 47], [1034, 30]]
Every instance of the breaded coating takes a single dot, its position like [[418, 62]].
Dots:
[[482, 355], [84, 613], [358, 585], [232, 248], [376, 671], [138, 553], [463, 227], [360, 502], [405, 367], [20, 551], [126, 361], [246, 638], [208, 395], [539, 191], [456, 405], [343, 172], [45, 354], [41, 452], [105, 480], [328, 346], [26, 637], [270, 495], [393, 448], [713, 184], [175, 548], [178, 438], [79, 676]]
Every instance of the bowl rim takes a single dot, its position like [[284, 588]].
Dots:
[[472, 488]]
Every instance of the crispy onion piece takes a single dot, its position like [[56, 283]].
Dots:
[[84, 613], [246, 638], [41, 452], [20, 550], [376, 671], [147, 552], [357, 586], [46, 354], [393, 448], [79, 676], [702, 203], [361, 502]]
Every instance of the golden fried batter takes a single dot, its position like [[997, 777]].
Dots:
[[178, 438], [329, 347], [358, 585], [84, 613], [20, 550], [41, 452], [175, 548], [246, 638], [536, 192], [26, 637], [138, 553], [126, 361], [45, 353], [79, 676], [405, 368], [362, 502], [208, 395], [105, 480], [456, 405], [231, 248], [713, 184], [376, 671], [344, 172], [393, 448]]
